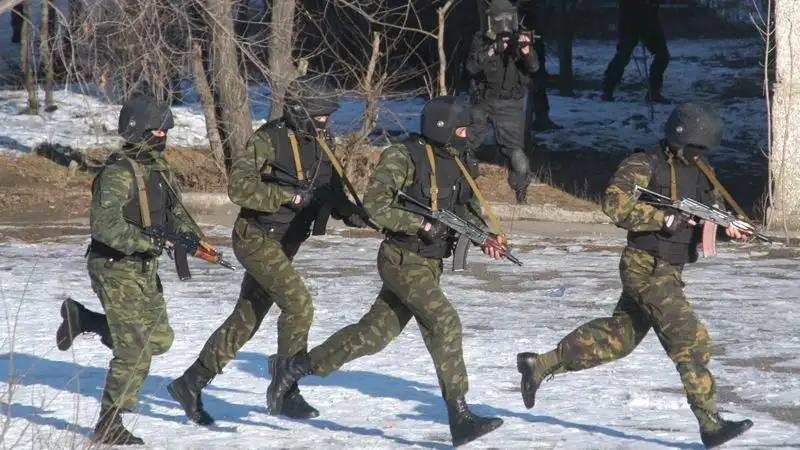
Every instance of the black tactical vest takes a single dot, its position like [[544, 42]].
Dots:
[[501, 79], [160, 202], [317, 170], [681, 247], [454, 194]]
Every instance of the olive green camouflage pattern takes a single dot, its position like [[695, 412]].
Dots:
[[137, 321], [410, 289], [114, 189], [269, 278], [652, 297], [245, 187], [394, 172], [129, 291], [623, 206]]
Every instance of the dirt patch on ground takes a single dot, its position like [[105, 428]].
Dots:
[[34, 188]]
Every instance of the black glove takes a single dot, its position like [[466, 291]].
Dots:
[[431, 231], [157, 244], [355, 220], [300, 200], [674, 223]]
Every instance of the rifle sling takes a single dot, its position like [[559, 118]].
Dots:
[[481, 199], [298, 166], [718, 186], [340, 170], [434, 186], [144, 206]]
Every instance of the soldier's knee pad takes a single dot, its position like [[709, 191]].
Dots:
[[519, 161]]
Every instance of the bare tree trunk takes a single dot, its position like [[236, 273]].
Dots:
[[442, 15], [46, 55], [566, 33], [235, 121], [281, 70], [785, 138], [207, 99], [25, 61], [371, 90], [5, 5]]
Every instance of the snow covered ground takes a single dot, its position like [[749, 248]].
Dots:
[[391, 400], [725, 72]]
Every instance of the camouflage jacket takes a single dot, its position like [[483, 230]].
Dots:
[[395, 172], [245, 186], [113, 188], [621, 202]]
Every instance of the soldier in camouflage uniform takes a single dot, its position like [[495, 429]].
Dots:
[[410, 265], [660, 243], [284, 182], [123, 262]]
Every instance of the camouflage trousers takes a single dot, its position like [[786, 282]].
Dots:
[[410, 289], [137, 320], [652, 297], [269, 278]]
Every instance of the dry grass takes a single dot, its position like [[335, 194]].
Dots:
[[34, 187]]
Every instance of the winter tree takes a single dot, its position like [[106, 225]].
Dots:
[[784, 211]]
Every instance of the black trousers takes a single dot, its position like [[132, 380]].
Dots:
[[632, 30], [507, 116]]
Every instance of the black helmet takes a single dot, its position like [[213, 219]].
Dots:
[[308, 97], [441, 116], [501, 18], [141, 114], [694, 124]]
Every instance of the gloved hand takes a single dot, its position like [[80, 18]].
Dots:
[[431, 231], [300, 200], [157, 245], [355, 220], [676, 222]]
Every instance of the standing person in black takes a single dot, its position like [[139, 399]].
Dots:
[[638, 22], [500, 64], [532, 14]]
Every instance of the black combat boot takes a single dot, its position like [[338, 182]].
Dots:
[[465, 426], [285, 373], [186, 391], [78, 320], [522, 195], [715, 431], [526, 362], [296, 407], [534, 372], [110, 430]]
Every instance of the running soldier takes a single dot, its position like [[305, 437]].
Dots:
[[134, 191], [660, 243], [284, 182], [430, 168]]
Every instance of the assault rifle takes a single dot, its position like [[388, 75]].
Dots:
[[183, 244], [696, 210], [466, 230], [328, 196]]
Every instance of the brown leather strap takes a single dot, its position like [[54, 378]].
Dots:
[[481, 199], [144, 206], [434, 186]]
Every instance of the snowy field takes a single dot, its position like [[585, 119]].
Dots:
[[725, 72], [391, 400]]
